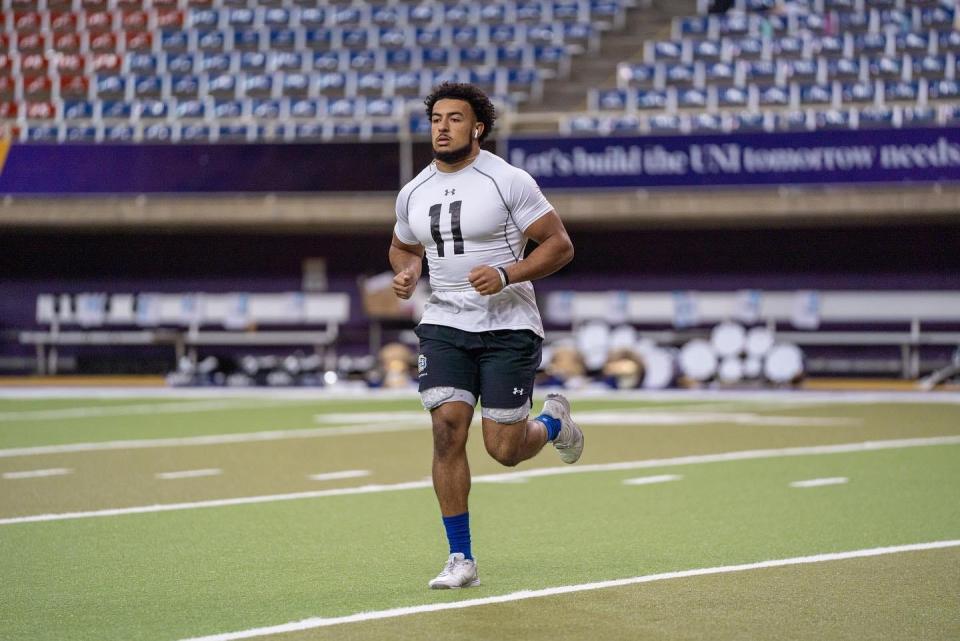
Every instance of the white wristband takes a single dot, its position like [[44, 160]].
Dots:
[[503, 277]]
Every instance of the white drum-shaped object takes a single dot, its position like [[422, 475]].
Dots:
[[659, 368], [730, 370], [759, 341], [623, 337], [784, 363], [728, 339], [752, 367], [698, 360], [593, 341]]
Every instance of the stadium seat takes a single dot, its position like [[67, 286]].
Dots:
[[295, 85], [692, 98], [814, 94], [749, 121], [914, 116], [832, 119], [706, 123], [607, 100], [624, 125], [876, 118], [795, 120], [651, 99], [858, 92], [664, 124]]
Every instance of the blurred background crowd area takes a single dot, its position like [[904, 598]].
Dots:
[[761, 192]]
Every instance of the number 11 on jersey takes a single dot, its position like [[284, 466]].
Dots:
[[454, 226]]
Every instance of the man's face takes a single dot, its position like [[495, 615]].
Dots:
[[452, 126]]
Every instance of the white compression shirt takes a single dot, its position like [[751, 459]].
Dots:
[[471, 217]]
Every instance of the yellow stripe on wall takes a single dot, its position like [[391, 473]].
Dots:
[[4, 150]]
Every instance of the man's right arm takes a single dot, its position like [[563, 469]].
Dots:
[[407, 263]]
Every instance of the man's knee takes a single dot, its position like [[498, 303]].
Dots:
[[449, 437], [504, 452], [451, 421]]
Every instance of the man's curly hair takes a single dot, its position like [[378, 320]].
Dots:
[[482, 107]]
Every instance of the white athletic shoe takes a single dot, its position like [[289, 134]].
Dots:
[[458, 572], [569, 441]]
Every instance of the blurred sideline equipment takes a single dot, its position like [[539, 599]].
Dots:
[[186, 321]]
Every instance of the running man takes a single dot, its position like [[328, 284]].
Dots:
[[480, 336]]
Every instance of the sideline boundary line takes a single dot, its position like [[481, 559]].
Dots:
[[211, 439], [321, 622], [402, 422], [742, 455]]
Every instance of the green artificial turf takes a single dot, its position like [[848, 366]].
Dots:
[[178, 574]]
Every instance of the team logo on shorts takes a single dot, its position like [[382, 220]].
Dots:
[[421, 363]]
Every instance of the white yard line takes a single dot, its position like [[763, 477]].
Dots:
[[140, 409], [335, 476], [244, 500], [836, 480], [742, 455], [321, 622], [34, 474], [413, 421], [638, 416], [642, 417], [188, 474], [211, 439], [649, 480]]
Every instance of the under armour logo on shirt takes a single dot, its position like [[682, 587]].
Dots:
[[517, 391], [449, 192]]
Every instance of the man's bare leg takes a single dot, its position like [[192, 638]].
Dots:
[[451, 482], [451, 470]]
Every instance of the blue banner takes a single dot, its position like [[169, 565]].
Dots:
[[124, 169], [817, 157]]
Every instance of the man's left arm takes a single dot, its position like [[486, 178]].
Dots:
[[554, 250]]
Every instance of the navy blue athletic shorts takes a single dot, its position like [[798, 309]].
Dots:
[[497, 367]]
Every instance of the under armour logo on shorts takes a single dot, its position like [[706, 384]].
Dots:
[[449, 192], [517, 391]]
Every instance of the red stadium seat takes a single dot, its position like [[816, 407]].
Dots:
[[8, 87], [97, 22], [135, 21], [9, 110], [67, 42], [35, 64], [74, 87], [31, 43], [103, 42], [63, 22], [93, 5], [106, 63], [70, 64], [27, 22], [139, 41], [44, 110], [169, 19], [36, 88]]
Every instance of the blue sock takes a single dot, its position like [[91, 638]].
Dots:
[[458, 533], [552, 425]]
